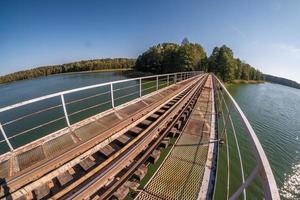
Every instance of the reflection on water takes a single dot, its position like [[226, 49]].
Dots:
[[291, 185]]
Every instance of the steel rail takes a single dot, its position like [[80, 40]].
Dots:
[[147, 133], [86, 98], [106, 162], [164, 84], [149, 88], [165, 131], [68, 159], [52, 107], [145, 83], [36, 127], [127, 87], [85, 109], [127, 95], [64, 104], [268, 181], [31, 114]]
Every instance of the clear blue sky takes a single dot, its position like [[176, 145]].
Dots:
[[265, 34]]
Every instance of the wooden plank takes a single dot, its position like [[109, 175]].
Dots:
[[123, 139], [64, 178], [41, 191], [87, 164], [107, 150]]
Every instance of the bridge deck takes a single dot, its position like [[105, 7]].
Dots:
[[54, 155], [181, 174]]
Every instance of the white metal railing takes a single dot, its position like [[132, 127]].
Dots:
[[262, 167], [115, 93]]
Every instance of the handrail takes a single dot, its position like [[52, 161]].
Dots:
[[80, 89], [268, 181], [112, 90]]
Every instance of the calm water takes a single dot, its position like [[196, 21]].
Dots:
[[28, 89], [27, 123], [274, 113]]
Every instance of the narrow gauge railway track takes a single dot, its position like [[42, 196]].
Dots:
[[99, 164], [155, 128], [174, 122]]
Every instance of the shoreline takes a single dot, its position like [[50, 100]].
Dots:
[[91, 71], [70, 73], [247, 82]]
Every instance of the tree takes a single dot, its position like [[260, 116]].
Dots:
[[228, 68], [86, 65], [170, 57], [185, 41]]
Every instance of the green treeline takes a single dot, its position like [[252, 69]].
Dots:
[[228, 68], [87, 65], [170, 57], [161, 58], [282, 81]]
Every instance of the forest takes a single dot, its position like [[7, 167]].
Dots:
[[282, 81], [158, 59], [171, 57], [86, 65]]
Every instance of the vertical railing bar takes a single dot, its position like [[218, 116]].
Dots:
[[140, 87], [237, 144], [168, 80], [112, 96], [156, 83], [5, 137], [65, 109]]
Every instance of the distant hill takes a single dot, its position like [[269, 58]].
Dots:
[[84, 65], [281, 81]]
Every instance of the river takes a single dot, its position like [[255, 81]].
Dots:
[[272, 109], [274, 113]]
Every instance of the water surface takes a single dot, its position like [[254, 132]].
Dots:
[[274, 113]]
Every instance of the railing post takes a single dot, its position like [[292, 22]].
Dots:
[[112, 96], [140, 87], [5, 137], [65, 109], [156, 83], [168, 80], [175, 78]]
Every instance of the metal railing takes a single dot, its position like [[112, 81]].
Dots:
[[26, 121], [243, 169]]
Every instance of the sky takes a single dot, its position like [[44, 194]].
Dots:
[[263, 33]]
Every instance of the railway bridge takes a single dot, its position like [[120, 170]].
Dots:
[[170, 136]]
